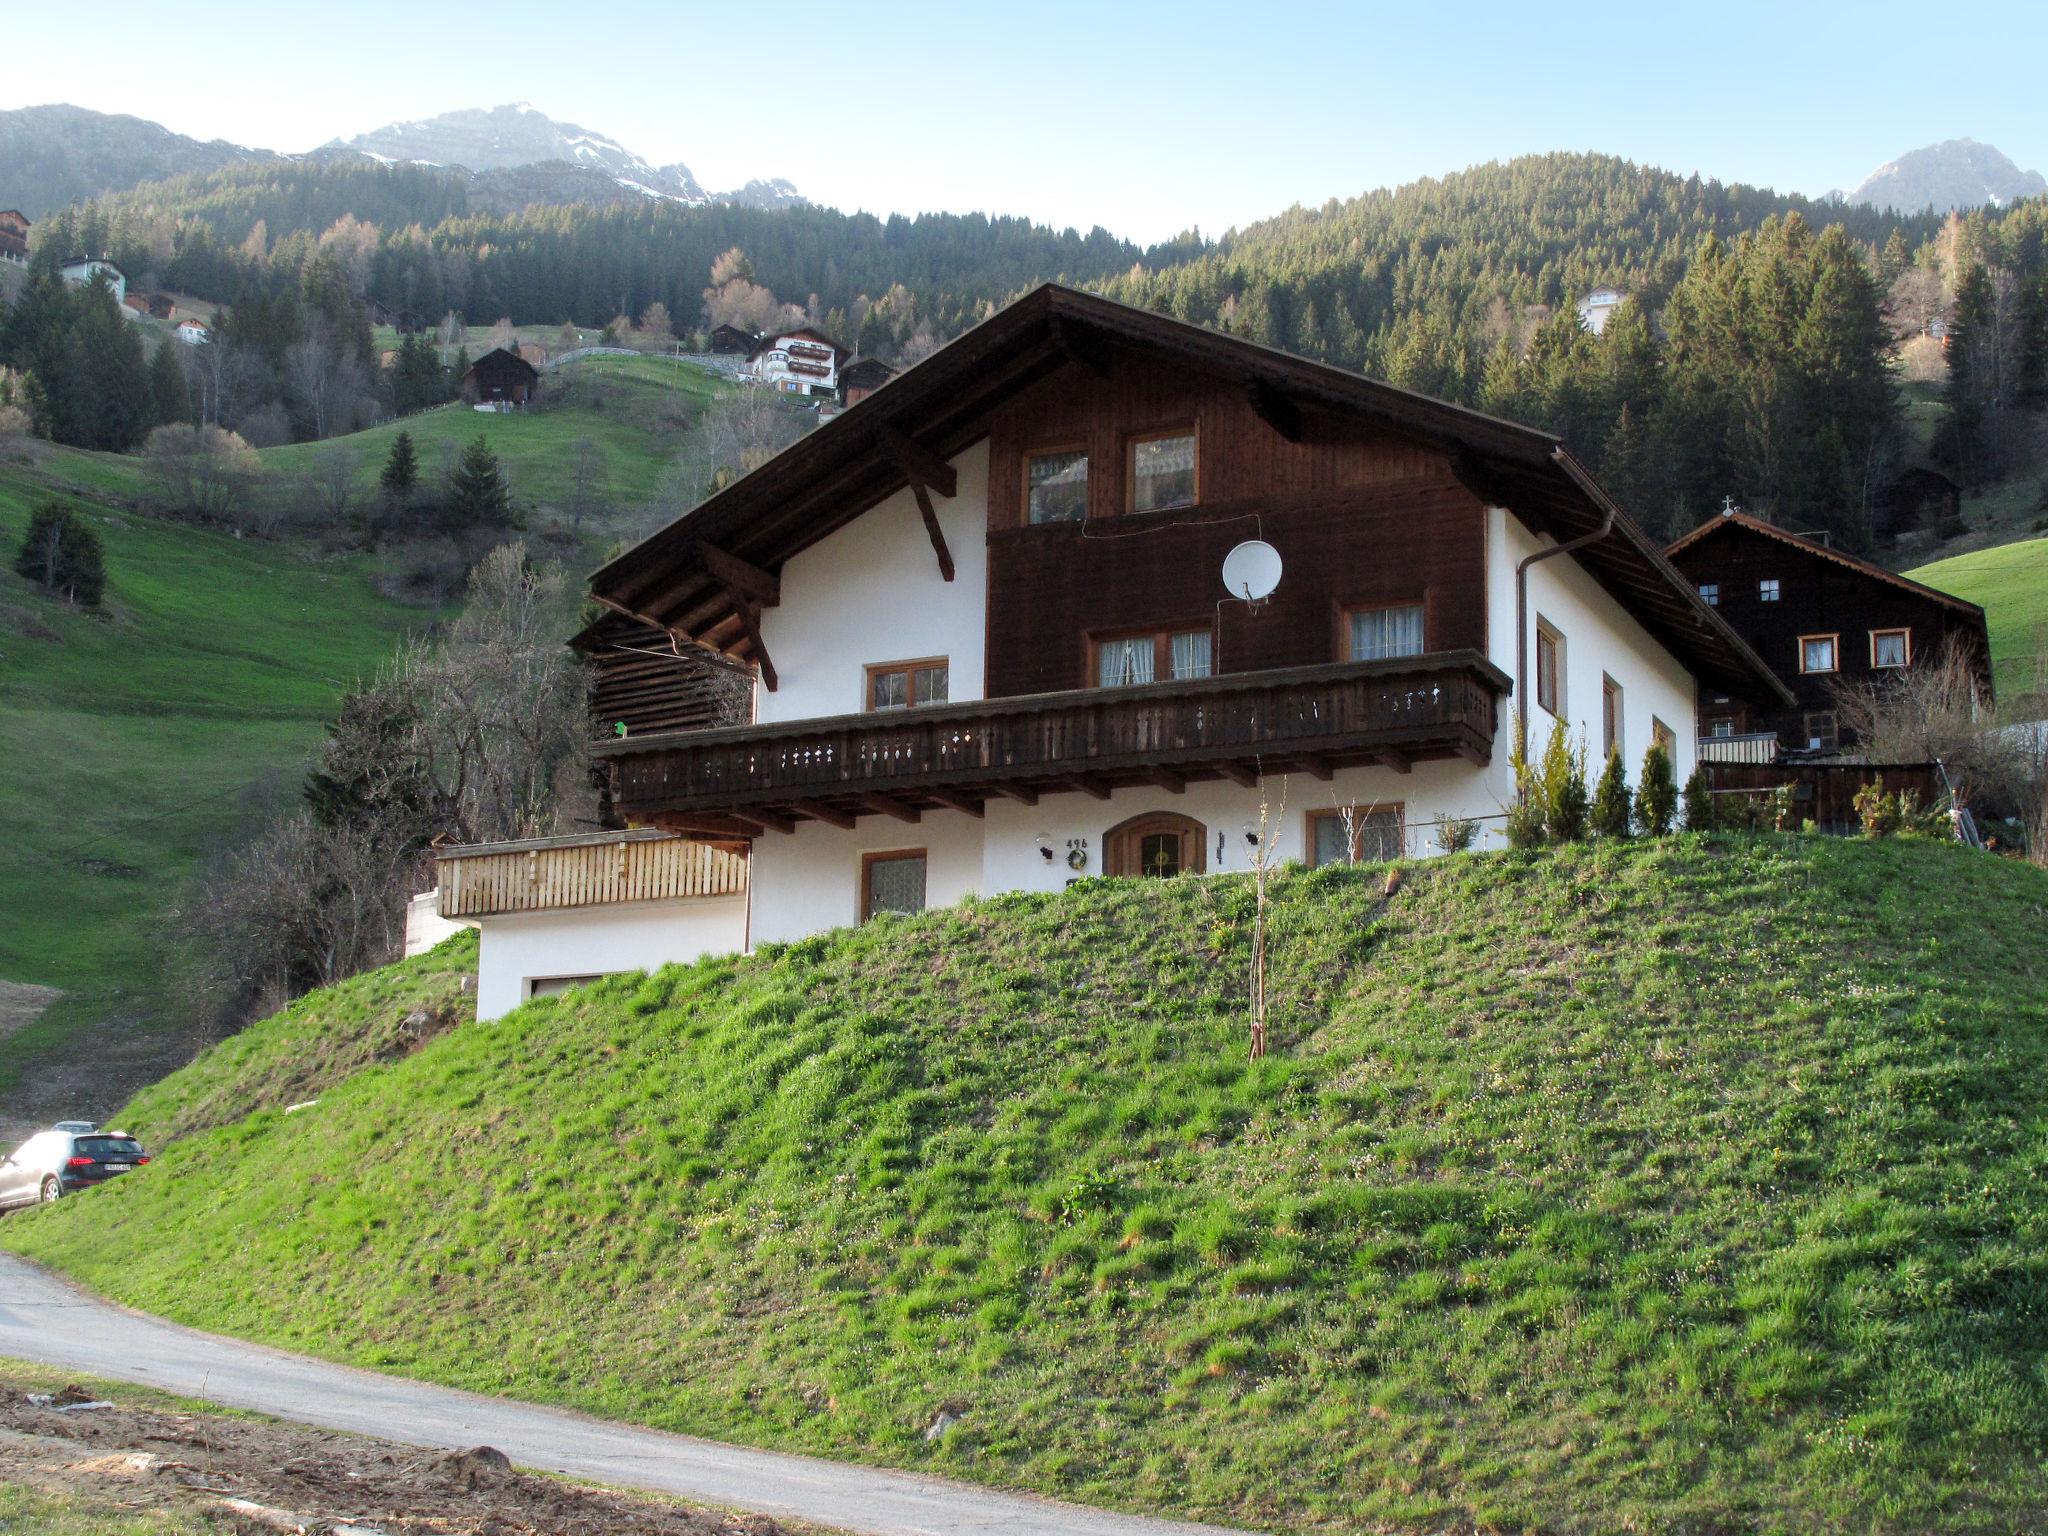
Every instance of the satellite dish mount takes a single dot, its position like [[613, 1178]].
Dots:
[[1251, 572]]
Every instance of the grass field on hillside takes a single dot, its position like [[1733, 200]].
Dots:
[[1695, 1185], [635, 410], [132, 740], [2010, 582]]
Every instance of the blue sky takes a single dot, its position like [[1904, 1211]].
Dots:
[[1144, 118]]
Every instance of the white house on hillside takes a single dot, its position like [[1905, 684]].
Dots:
[[1596, 306], [799, 362], [80, 270], [993, 649]]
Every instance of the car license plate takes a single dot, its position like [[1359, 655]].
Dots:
[[119, 1167]]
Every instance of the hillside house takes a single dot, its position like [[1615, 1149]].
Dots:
[[14, 227], [1597, 306], [861, 378], [502, 378], [990, 647], [799, 362], [80, 270], [731, 340], [1821, 620], [192, 332]]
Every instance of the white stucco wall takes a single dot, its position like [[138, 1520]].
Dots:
[[425, 926], [808, 881], [518, 948], [1600, 637], [872, 593]]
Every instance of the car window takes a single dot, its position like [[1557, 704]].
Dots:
[[107, 1146]]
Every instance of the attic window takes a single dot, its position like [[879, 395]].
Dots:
[[1163, 470], [1767, 590], [1710, 593]]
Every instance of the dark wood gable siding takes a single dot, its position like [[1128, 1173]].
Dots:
[[1359, 517]]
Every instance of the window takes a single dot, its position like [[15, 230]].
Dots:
[[1143, 658], [1374, 836], [1710, 593], [1163, 470], [891, 882], [1661, 735], [1891, 647], [1720, 727], [1549, 668], [1821, 732], [1610, 718], [1767, 590], [1817, 653], [554, 986], [1374, 634], [904, 684], [1156, 846], [1056, 486]]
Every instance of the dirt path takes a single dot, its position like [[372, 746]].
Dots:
[[47, 1320], [22, 1003], [141, 1453]]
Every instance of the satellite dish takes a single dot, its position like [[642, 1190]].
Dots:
[[1252, 570]]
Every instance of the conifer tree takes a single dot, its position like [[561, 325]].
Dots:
[[1699, 800], [1656, 793], [170, 401], [61, 554], [1610, 800], [478, 500], [401, 470]]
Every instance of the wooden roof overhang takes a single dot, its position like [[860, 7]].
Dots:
[[741, 781], [706, 576]]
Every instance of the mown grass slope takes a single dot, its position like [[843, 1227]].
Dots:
[[1681, 1185], [135, 741], [2010, 583]]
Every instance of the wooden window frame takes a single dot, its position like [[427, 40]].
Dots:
[[1833, 742], [876, 669], [1342, 624], [1046, 450], [1335, 813], [1710, 593], [1904, 634], [1835, 648], [1661, 735], [868, 861], [1133, 830], [1777, 589], [1556, 705], [1613, 727], [1129, 499], [1162, 648]]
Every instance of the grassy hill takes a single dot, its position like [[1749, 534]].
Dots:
[[2010, 581], [138, 742], [1689, 1185]]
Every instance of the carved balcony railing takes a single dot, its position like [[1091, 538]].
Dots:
[[1306, 719]]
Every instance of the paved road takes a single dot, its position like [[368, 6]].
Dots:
[[46, 1319]]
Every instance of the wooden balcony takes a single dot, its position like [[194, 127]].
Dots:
[[546, 874], [744, 780], [1751, 747]]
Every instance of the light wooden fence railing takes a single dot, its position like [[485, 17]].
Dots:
[[551, 873]]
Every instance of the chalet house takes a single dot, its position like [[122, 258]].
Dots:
[[861, 378], [1821, 620], [14, 228], [1597, 306], [730, 339], [192, 332], [80, 270], [799, 362], [500, 377], [986, 643]]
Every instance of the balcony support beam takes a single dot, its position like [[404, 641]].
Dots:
[[1396, 759], [889, 805], [1315, 767], [1018, 793], [817, 810], [966, 804], [1087, 785], [1167, 779], [764, 821], [1238, 774]]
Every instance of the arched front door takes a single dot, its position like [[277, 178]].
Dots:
[[1160, 844]]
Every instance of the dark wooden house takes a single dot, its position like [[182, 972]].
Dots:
[[500, 375], [861, 378], [13, 235], [1821, 620], [731, 339]]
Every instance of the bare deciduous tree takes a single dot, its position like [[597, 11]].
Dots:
[[204, 471]]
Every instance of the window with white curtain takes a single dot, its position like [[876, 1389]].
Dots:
[[1120, 663], [1377, 633], [1190, 652], [1176, 654]]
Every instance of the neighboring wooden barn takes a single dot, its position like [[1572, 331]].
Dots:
[[500, 376], [731, 339], [861, 378]]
